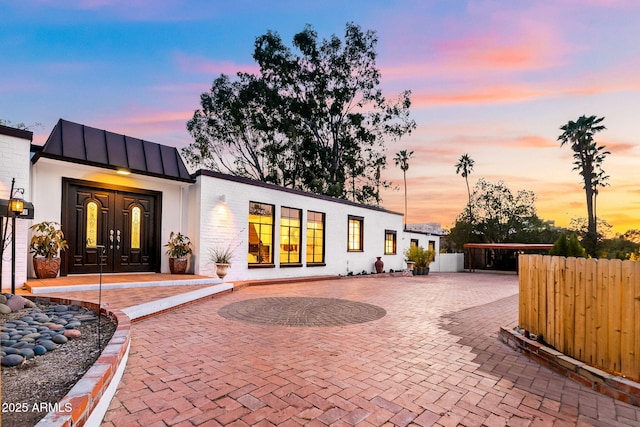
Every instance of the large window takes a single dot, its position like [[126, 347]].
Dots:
[[389, 242], [290, 235], [315, 237], [260, 233], [354, 243]]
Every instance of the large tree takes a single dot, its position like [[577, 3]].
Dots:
[[318, 119], [402, 159], [464, 167], [233, 133], [588, 158], [499, 216]]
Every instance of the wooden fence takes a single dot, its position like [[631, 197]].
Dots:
[[588, 309]]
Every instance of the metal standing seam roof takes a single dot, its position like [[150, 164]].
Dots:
[[77, 143]]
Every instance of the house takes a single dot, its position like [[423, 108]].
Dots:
[[128, 195]]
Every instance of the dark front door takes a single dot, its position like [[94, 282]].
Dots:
[[117, 225]]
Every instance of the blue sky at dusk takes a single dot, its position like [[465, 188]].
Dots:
[[495, 79]]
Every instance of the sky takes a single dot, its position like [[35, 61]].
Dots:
[[494, 79]]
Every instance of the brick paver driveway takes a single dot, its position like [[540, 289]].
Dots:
[[433, 359]]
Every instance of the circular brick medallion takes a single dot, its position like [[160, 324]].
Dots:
[[302, 311]]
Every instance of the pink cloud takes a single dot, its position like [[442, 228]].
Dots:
[[475, 96]]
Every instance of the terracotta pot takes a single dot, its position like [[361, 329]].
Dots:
[[46, 268], [379, 264], [222, 270], [178, 265]]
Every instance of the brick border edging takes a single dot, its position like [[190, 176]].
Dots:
[[617, 387], [85, 395]]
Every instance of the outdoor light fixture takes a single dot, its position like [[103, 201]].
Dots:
[[123, 172], [222, 198], [16, 204]]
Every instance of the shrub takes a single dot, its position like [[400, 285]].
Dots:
[[568, 246], [421, 256]]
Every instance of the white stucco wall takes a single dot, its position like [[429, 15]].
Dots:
[[450, 263], [47, 177], [423, 240], [14, 163], [221, 223]]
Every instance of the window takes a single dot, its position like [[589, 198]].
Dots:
[[354, 243], [389, 242], [135, 227], [413, 243], [260, 233], [432, 245], [315, 237], [92, 224], [290, 235]]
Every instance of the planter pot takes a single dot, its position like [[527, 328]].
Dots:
[[46, 268], [379, 264], [222, 270], [178, 265], [411, 265]]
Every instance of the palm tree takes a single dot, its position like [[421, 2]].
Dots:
[[588, 158], [465, 165], [402, 160]]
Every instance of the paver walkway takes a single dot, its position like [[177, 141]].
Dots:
[[434, 359]]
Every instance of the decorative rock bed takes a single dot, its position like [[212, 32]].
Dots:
[[88, 400], [39, 330]]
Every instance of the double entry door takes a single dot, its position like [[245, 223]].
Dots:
[[110, 229]]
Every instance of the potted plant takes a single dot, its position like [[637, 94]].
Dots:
[[421, 258], [178, 248], [222, 259], [47, 240]]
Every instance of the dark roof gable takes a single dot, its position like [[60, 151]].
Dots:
[[73, 142]]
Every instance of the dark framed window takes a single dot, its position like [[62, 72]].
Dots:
[[315, 237], [413, 243], [261, 216], [390, 242], [432, 245], [355, 234], [290, 223]]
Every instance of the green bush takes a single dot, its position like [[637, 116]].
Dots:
[[421, 256], [568, 247]]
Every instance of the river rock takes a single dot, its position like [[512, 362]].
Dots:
[[4, 309], [48, 344], [3, 298], [39, 350], [72, 333], [27, 353], [12, 360], [16, 302], [59, 339]]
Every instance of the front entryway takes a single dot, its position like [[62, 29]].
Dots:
[[120, 224]]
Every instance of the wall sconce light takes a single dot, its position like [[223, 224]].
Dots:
[[222, 198], [123, 172], [16, 204]]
